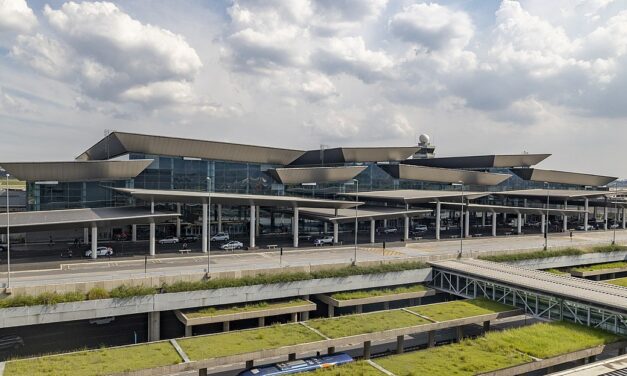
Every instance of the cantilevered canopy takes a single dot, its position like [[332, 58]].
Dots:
[[482, 161], [554, 193], [365, 213], [551, 176], [193, 197], [76, 170], [443, 175], [416, 196], [300, 175], [119, 143], [337, 156], [511, 209], [80, 218]]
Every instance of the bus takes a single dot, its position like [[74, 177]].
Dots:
[[298, 366]]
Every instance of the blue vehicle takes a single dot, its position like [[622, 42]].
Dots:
[[298, 366]]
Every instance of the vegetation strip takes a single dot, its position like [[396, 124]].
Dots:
[[552, 253], [261, 306], [459, 309], [618, 282], [592, 268], [350, 295], [361, 368], [123, 292]]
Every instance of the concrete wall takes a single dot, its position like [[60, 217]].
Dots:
[[12, 317], [566, 261]]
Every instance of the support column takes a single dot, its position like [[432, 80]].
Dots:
[[86, 235], [359, 308], [372, 231], [438, 213], [483, 214], [257, 221], [493, 224], [325, 227], [605, 216], [406, 228], [253, 226], [188, 330], [94, 241], [178, 221], [543, 224], [295, 228], [467, 225], [330, 310], [226, 326], [205, 237], [525, 215], [585, 214], [154, 326], [152, 241], [304, 316], [459, 333], [565, 217], [219, 209], [519, 224], [486, 326], [624, 219], [261, 322], [134, 233], [294, 316], [367, 345], [431, 339], [335, 233], [400, 344]]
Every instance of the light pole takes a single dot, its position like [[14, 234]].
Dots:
[[546, 228], [8, 239], [356, 214], [209, 229]]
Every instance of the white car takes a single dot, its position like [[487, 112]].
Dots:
[[582, 228], [220, 237], [390, 230], [324, 240], [233, 244], [169, 240], [100, 251], [420, 228]]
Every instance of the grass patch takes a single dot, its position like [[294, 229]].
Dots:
[[553, 253], [556, 271], [608, 265], [212, 311], [618, 282], [349, 295], [497, 350], [269, 337], [459, 309], [350, 369], [97, 362], [350, 325]]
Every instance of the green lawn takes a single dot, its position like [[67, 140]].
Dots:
[[377, 292], [350, 369], [618, 282], [609, 265], [350, 325], [459, 309], [497, 350], [556, 271], [212, 311], [224, 344], [97, 362]]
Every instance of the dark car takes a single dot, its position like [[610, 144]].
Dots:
[[189, 239], [11, 342], [3, 247]]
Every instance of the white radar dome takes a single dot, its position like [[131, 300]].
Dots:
[[424, 138]]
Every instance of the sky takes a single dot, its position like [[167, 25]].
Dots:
[[478, 76]]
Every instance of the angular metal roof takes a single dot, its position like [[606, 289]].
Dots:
[[79, 218], [195, 197], [416, 196], [555, 193], [563, 177], [342, 155], [299, 175], [76, 170], [482, 161], [442, 175], [512, 209], [370, 212], [119, 143]]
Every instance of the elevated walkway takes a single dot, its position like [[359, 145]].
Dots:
[[540, 294]]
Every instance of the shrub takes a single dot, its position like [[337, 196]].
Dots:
[[533, 255], [97, 293], [123, 291]]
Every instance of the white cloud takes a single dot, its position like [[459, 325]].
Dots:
[[318, 87], [16, 16], [44, 54]]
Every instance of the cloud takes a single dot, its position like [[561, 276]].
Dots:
[[16, 16], [318, 87]]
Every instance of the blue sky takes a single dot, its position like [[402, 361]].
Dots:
[[480, 77]]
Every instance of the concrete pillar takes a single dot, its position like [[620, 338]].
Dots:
[[367, 345], [294, 316], [431, 339], [400, 344], [331, 310], [188, 330], [202, 372], [291, 357], [205, 224], [178, 221], [86, 235], [525, 215], [295, 227], [359, 308], [257, 221], [335, 233], [250, 364], [543, 224], [134, 233], [386, 305], [486, 326], [331, 350], [483, 219], [585, 214], [152, 239], [94, 241], [219, 209], [493, 224], [459, 333], [467, 225], [154, 326], [624, 219], [519, 224], [325, 228], [605, 216], [438, 214], [372, 230], [253, 226], [226, 326], [406, 235], [261, 322]]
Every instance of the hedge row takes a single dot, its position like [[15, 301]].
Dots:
[[552, 253]]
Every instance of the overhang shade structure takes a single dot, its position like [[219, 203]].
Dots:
[[562, 177], [338, 156], [302, 175], [442, 175], [120, 143], [416, 196], [81, 218], [194, 197], [565, 194], [363, 213], [76, 170], [481, 208], [482, 161]]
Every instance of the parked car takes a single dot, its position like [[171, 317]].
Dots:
[[328, 239], [233, 244], [3, 247], [390, 230], [102, 320], [614, 225], [583, 228], [421, 228], [220, 237], [11, 342], [534, 224], [169, 240], [100, 251], [189, 239]]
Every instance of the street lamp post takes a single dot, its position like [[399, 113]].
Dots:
[[209, 229], [8, 239], [546, 228]]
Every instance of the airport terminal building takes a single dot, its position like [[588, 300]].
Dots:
[[139, 186]]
